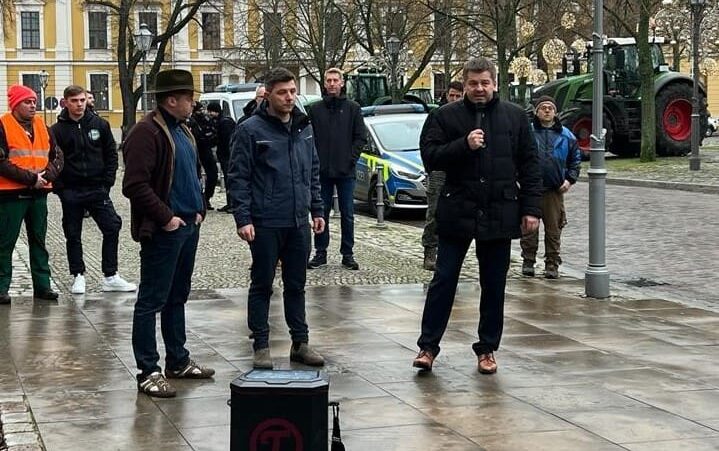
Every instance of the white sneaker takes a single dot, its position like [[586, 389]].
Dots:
[[78, 286], [117, 283]]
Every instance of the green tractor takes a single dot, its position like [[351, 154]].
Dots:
[[368, 88], [622, 103]]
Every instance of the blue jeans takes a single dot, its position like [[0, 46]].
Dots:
[[493, 259], [291, 246], [345, 198], [166, 264]]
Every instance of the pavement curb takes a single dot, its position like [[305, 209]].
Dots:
[[692, 187]]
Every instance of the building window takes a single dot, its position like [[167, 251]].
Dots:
[[32, 81], [99, 87], [271, 23], [211, 31], [30, 26], [149, 18], [210, 82], [97, 29], [151, 101], [333, 31]]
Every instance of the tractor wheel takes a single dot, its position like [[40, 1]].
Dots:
[[372, 200], [579, 122], [674, 120]]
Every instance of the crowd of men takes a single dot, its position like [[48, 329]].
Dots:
[[493, 175]]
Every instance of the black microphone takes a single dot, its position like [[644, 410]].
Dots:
[[479, 119]]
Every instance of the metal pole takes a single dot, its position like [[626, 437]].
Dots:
[[42, 104], [694, 159], [380, 195], [144, 83], [596, 275], [394, 78]]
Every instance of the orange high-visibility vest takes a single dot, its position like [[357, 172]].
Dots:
[[23, 153]]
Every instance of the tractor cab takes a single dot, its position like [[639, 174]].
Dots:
[[366, 87]]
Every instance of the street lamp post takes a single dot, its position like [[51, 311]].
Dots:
[[143, 40], [44, 77], [393, 47], [697, 11]]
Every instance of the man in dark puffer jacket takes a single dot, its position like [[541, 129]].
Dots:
[[560, 160], [492, 191]]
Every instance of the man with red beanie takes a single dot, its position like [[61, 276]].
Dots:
[[29, 163]]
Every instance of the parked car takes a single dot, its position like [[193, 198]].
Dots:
[[233, 98], [712, 125], [393, 142]]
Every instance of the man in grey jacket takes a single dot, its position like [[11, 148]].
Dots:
[[273, 191]]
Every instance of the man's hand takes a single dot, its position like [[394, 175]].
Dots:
[[475, 139], [529, 224], [247, 232], [198, 219], [40, 182], [174, 224], [318, 225], [565, 187]]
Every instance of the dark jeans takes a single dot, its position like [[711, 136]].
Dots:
[[209, 164], [291, 246], [434, 187], [32, 210], [97, 202], [493, 258], [224, 161], [345, 189], [166, 264]]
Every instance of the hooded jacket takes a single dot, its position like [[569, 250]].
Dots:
[[558, 154], [89, 148], [340, 134], [488, 190], [274, 172]]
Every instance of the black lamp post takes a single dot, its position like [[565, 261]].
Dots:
[[143, 39], [44, 77], [697, 11], [393, 47]]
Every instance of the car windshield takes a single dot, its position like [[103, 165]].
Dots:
[[238, 105], [399, 136]]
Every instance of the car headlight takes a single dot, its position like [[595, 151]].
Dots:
[[405, 173]]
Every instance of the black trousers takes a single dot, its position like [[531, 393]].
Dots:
[[75, 201], [209, 164], [493, 259], [291, 246]]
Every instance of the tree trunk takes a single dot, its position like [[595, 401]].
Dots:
[[646, 74], [503, 72]]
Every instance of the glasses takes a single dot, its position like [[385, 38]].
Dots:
[[546, 108]]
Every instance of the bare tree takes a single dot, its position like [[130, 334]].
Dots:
[[178, 14]]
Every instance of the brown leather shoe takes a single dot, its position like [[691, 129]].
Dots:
[[486, 363], [424, 360]]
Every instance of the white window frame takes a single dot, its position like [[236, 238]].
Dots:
[[98, 54], [109, 85], [211, 9], [29, 6], [210, 72]]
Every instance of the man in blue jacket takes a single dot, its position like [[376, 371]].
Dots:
[[560, 160], [274, 186]]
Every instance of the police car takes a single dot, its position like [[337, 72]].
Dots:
[[393, 146]]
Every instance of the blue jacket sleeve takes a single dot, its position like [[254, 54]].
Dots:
[[316, 204], [574, 161], [239, 175]]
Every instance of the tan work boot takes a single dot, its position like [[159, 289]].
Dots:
[[430, 258], [302, 353], [262, 359], [424, 360]]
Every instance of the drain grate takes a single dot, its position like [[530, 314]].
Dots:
[[642, 282]]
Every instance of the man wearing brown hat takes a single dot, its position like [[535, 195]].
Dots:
[[29, 163], [560, 160], [167, 207]]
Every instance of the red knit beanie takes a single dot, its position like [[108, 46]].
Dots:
[[19, 93]]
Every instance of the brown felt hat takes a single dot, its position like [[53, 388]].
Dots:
[[172, 80]]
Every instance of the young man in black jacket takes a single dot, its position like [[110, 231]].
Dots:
[[225, 130], [84, 185], [340, 134], [274, 185], [492, 191]]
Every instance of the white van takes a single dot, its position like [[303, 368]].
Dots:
[[234, 97]]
